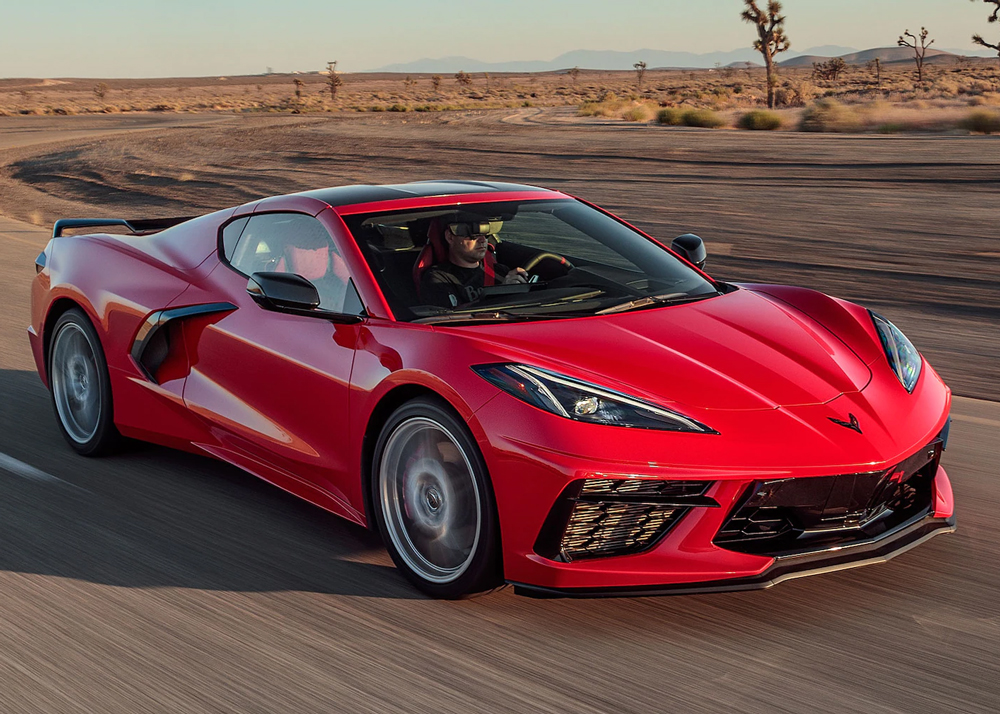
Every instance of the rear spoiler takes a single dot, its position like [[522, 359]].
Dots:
[[136, 226]]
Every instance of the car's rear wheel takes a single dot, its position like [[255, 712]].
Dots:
[[80, 386], [434, 502]]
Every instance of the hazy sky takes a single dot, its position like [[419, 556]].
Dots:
[[142, 38]]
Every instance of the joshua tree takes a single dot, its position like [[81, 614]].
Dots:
[[829, 70], [919, 45], [640, 72], [875, 66], [771, 39], [436, 82], [100, 91], [463, 78], [333, 80], [298, 87], [994, 17], [575, 74]]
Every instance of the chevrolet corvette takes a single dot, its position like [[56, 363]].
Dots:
[[586, 413]]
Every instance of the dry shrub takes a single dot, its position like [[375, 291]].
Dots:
[[609, 105], [982, 121], [828, 115], [794, 94], [704, 118], [976, 87], [759, 120], [947, 87], [640, 112], [612, 107], [670, 117]]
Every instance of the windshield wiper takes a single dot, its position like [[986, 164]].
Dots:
[[484, 316], [649, 300]]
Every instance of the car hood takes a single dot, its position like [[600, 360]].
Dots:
[[738, 351]]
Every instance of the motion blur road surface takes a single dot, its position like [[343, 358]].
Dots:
[[156, 581]]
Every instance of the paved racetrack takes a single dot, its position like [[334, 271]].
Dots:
[[157, 581]]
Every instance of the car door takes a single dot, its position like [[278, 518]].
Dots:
[[275, 386]]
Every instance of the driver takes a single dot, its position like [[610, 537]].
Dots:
[[459, 279]]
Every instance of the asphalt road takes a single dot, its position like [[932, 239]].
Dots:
[[156, 581]]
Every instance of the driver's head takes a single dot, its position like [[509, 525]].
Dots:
[[467, 240]]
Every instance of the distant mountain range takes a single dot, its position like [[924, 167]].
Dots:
[[609, 59], [885, 54]]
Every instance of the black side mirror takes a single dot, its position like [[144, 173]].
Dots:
[[276, 291], [287, 292], [692, 248]]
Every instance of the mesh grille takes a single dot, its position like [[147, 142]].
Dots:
[[605, 517], [642, 487], [608, 528]]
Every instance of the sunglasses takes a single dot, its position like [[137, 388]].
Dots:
[[478, 228]]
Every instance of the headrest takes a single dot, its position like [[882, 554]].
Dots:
[[435, 239], [310, 263]]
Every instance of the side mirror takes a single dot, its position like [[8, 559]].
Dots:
[[283, 291], [287, 292], [692, 248]]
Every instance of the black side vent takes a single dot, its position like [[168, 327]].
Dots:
[[597, 518], [152, 342]]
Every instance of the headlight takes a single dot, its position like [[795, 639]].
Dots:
[[902, 355], [582, 401]]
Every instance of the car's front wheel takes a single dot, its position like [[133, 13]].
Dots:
[[81, 388], [434, 502]]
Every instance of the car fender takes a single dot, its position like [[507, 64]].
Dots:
[[851, 323]]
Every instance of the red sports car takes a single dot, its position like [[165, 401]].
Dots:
[[509, 383]]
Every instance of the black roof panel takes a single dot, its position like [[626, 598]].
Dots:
[[350, 195]]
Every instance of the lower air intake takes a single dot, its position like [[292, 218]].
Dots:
[[605, 517], [797, 515]]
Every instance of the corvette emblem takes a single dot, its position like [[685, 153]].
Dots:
[[852, 424]]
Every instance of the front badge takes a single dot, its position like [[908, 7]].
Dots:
[[852, 424]]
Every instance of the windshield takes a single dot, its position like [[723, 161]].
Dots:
[[518, 260]]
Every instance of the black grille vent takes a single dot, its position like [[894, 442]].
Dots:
[[604, 517], [642, 487], [603, 528], [795, 515]]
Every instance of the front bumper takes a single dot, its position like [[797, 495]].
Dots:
[[877, 550]]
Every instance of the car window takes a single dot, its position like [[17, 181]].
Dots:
[[231, 234], [293, 243], [547, 232], [576, 260]]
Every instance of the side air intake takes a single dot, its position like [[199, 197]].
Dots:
[[597, 518]]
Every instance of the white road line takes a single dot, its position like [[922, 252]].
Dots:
[[19, 468]]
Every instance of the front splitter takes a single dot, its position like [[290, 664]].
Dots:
[[855, 555]]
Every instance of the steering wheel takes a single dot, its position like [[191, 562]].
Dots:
[[533, 263]]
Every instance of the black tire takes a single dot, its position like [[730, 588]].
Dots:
[[78, 377], [425, 506]]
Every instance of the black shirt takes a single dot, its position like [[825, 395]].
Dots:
[[450, 285]]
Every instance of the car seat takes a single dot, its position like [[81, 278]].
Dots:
[[313, 263]]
